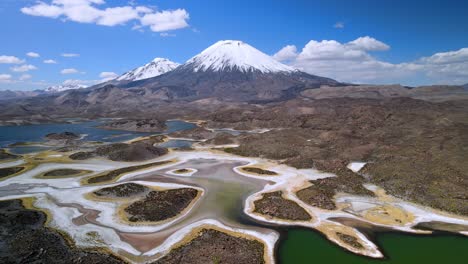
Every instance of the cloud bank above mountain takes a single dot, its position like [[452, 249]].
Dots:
[[355, 62], [97, 12]]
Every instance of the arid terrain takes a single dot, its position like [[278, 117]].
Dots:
[[414, 149], [413, 140], [318, 161], [310, 150], [233, 132]]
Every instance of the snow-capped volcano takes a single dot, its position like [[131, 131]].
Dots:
[[231, 55], [64, 87], [228, 70], [155, 68], [231, 70]]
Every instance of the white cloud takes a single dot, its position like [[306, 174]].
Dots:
[[166, 20], [23, 68], [117, 16], [449, 57], [89, 11], [25, 77], [138, 28], [144, 9], [50, 62], [107, 76], [69, 71], [5, 78], [368, 43], [78, 2], [81, 13], [165, 35], [10, 60], [331, 50], [33, 54], [353, 62], [70, 55], [287, 53], [339, 25], [43, 9], [451, 66]]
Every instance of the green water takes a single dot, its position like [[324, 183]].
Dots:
[[306, 247]]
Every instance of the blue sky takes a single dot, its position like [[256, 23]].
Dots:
[[408, 42]]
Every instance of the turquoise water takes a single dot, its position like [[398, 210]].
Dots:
[[36, 133], [305, 247]]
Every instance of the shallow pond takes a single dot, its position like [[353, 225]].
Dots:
[[225, 190]]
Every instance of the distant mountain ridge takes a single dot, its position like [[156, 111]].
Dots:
[[9, 94], [229, 71], [64, 87], [234, 71]]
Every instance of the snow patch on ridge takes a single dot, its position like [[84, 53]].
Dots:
[[356, 166]]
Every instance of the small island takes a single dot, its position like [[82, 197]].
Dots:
[[158, 206], [136, 125]]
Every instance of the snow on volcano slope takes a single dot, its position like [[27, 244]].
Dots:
[[64, 87], [229, 55], [155, 68]]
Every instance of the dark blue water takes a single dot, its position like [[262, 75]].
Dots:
[[177, 143], [36, 133], [177, 125]]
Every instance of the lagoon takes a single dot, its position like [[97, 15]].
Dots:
[[89, 129], [302, 246]]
